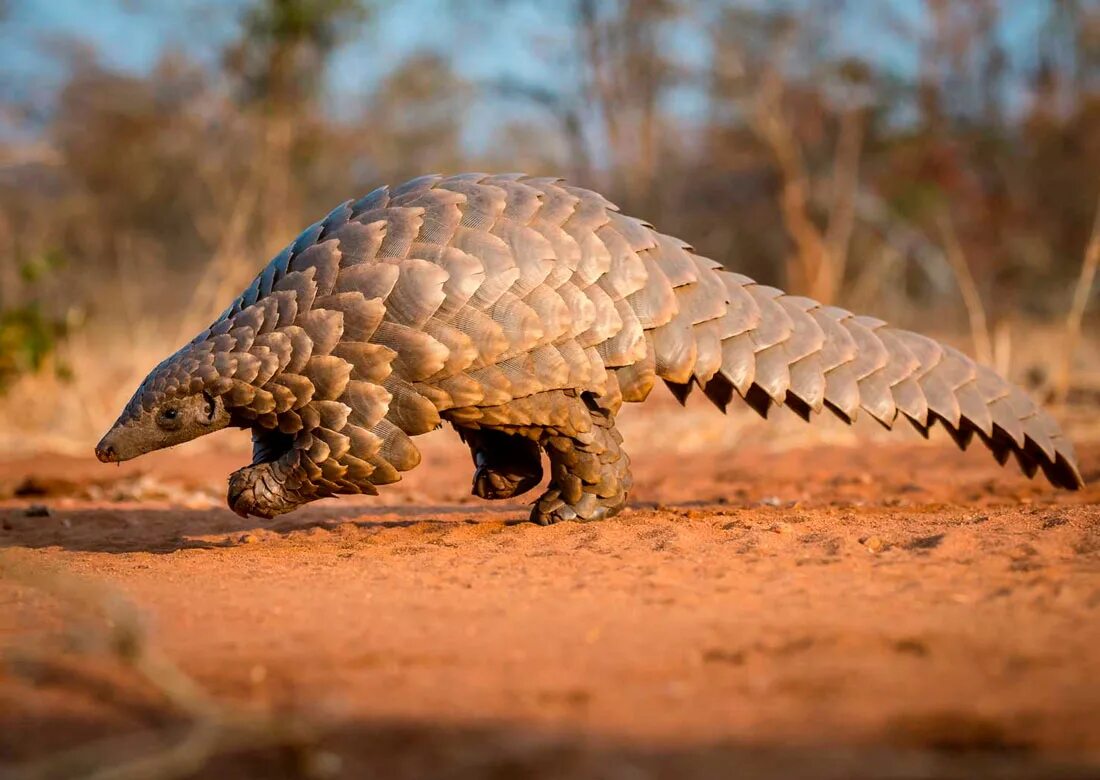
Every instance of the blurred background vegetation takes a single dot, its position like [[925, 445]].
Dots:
[[934, 162]]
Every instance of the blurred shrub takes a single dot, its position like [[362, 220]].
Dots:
[[29, 337]]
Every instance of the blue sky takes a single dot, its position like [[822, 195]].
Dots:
[[481, 38], [132, 35]]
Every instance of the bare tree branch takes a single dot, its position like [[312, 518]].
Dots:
[[842, 212]]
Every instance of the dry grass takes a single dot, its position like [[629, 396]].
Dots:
[[45, 411]]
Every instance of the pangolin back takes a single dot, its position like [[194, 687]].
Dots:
[[480, 299]]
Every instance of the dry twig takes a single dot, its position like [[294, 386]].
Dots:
[[972, 299], [1081, 293], [211, 728], [842, 214]]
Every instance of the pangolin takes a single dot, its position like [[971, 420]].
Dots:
[[524, 312]]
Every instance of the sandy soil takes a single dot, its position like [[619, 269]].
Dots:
[[838, 610]]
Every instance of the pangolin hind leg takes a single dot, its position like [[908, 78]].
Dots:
[[507, 465], [589, 472]]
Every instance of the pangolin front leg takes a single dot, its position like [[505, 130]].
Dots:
[[507, 465], [589, 473], [280, 479], [268, 489]]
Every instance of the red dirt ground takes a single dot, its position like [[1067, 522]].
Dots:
[[878, 610]]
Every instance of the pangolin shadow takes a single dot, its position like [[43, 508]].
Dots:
[[135, 528]]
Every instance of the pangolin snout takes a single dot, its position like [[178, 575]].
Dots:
[[107, 449], [106, 453]]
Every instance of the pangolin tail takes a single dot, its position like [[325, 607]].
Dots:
[[731, 335]]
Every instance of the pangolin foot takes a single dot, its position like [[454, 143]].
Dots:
[[552, 508], [256, 490]]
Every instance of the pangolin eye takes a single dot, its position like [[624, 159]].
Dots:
[[170, 414]]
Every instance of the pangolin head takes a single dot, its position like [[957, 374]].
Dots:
[[173, 405], [228, 375]]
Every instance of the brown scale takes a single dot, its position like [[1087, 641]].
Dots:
[[525, 312]]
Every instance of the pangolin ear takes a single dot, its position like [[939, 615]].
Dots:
[[210, 407]]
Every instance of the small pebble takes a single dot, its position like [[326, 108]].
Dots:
[[248, 539], [37, 510], [782, 528], [872, 543]]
